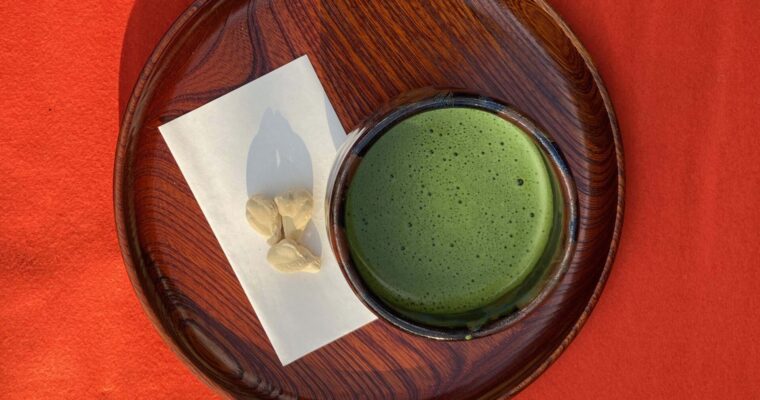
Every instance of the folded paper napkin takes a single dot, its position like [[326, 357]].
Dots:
[[276, 133]]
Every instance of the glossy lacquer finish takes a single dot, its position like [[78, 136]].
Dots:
[[365, 53]]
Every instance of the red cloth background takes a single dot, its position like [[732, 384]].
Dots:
[[679, 316]]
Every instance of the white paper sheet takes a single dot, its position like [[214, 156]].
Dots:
[[273, 134]]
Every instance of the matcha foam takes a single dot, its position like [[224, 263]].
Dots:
[[448, 211]]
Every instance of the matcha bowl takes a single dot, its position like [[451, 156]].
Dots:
[[451, 214]]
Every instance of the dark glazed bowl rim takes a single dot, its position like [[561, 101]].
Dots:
[[361, 139]]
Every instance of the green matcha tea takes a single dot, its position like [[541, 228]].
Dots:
[[449, 211]]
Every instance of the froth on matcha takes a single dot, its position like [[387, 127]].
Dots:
[[448, 211]]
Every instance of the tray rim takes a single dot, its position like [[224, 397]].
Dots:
[[125, 135]]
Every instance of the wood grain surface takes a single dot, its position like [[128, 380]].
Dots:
[[365, 53]]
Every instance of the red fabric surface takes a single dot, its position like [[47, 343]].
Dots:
[[678, 318]]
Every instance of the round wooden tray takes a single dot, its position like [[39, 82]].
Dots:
[[365, 53]]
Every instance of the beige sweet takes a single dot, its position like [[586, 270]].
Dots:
[[289, 256], [263, 216], [295, 208]]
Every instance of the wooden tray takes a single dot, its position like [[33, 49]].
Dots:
[[365, 53]]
